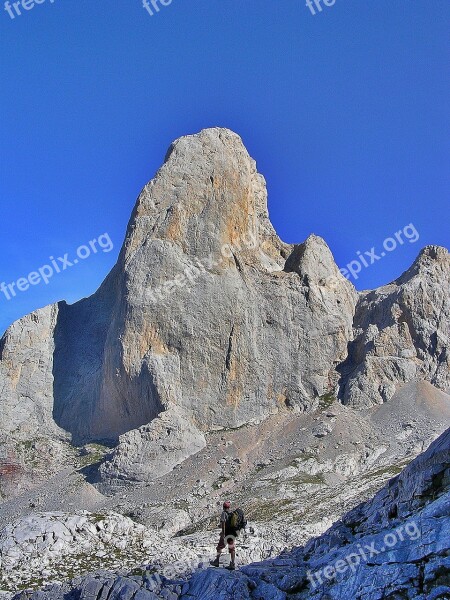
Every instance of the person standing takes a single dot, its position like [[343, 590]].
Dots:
[[227, 537]]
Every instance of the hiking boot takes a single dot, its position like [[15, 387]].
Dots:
[[214, 563], [231, 566]]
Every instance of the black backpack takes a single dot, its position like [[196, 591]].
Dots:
[[236, 520]]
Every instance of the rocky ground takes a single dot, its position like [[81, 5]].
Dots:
[[294, 474], [396, 545]]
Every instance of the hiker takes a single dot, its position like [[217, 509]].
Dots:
[[230, 524]]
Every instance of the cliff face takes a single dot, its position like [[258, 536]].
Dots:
[[402, 333], [204, 318], [26, 381], [210, 321]]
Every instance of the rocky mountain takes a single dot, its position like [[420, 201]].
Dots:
[[208, 321], [214, 360], [401, 333]]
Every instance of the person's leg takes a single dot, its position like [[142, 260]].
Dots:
[[220, 547], [232, 551]]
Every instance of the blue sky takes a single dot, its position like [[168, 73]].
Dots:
[[346, 113]]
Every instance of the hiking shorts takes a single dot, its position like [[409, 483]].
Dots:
[[224, 540]]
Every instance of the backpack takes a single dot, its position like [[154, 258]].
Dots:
[[236, 520]]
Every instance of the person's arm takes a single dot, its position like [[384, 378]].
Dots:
[[223, 523]]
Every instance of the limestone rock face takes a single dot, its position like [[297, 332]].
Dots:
[[206, 318], [402, 333], [154, 448], [209, 321], [26, 379], [207, 313], [32, 446]]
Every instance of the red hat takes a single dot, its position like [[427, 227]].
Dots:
[[227, 504]]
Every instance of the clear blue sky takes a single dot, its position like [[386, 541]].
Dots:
[[346, 113]]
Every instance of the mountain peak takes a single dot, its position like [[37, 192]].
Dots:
[[209, 320], [212, 138], [431, 261], [207, 194], [313, 259]]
